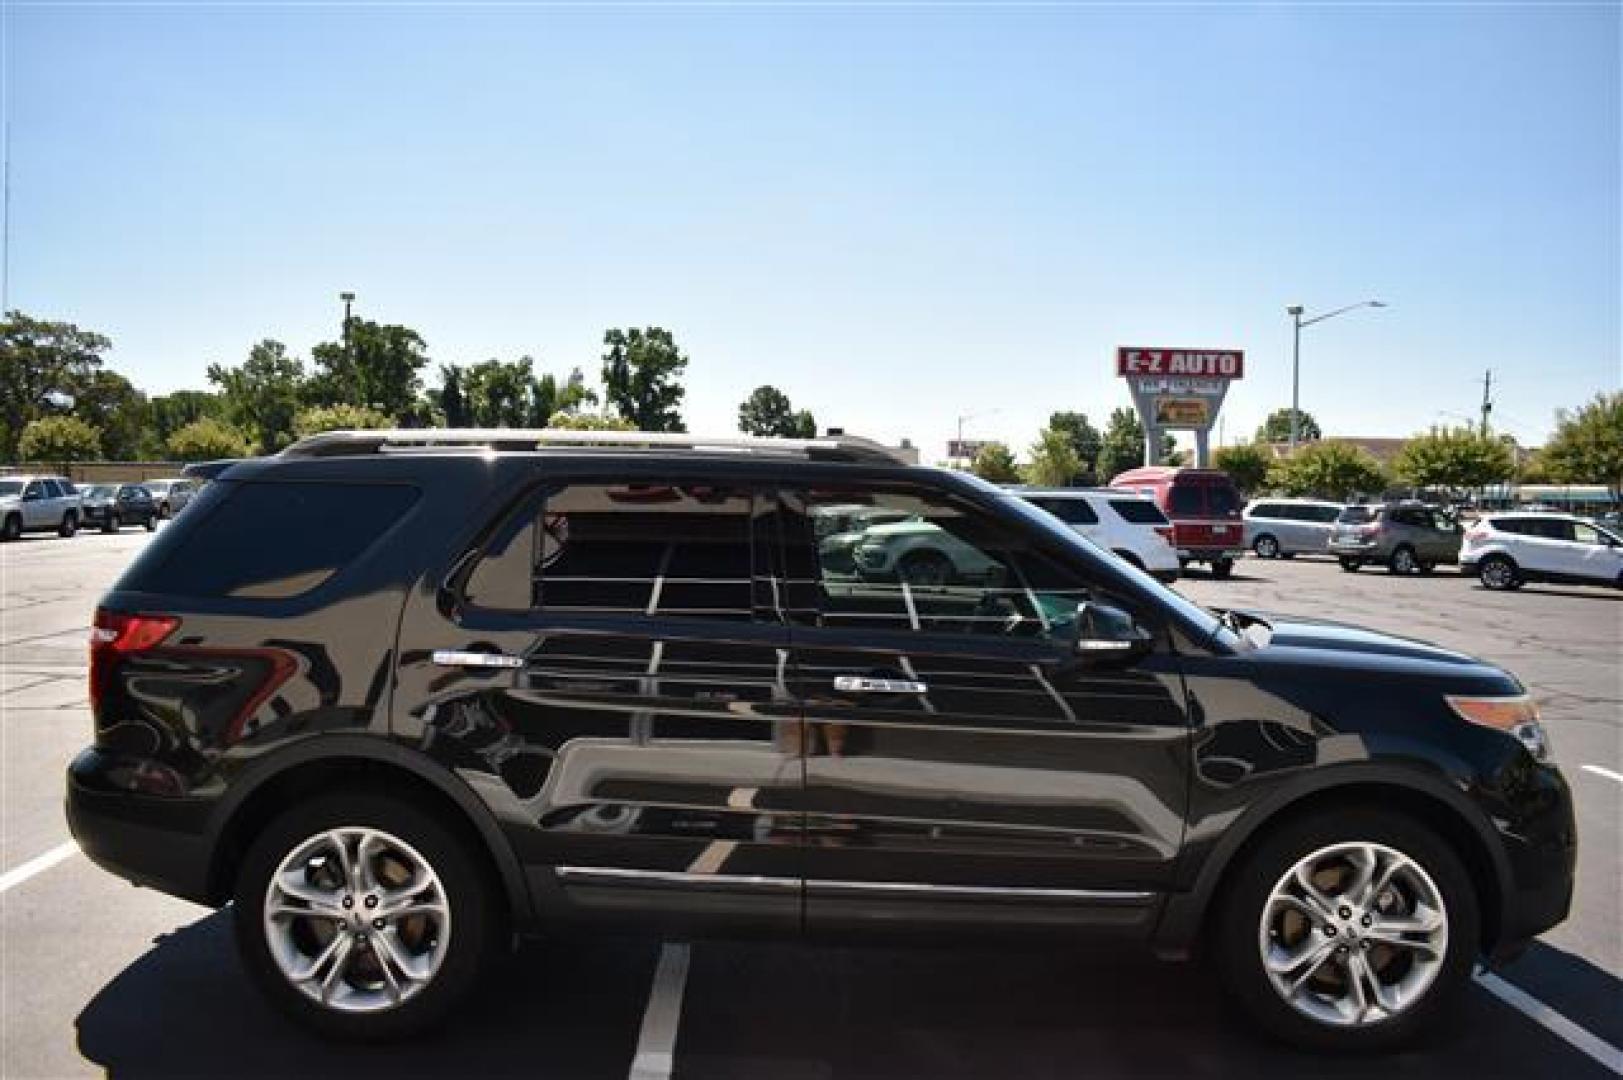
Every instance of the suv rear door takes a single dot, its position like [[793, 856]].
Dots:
[[613, 677], [962, 767]]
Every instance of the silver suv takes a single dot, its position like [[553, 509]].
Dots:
[[1405, 537], [1283, 528], [38, 504]]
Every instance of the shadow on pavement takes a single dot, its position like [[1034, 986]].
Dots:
[[186, 1008], [573, 1009]]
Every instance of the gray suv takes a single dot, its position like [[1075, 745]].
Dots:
[[38, 504], [1405, 537]]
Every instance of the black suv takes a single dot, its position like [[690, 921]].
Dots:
[[397, 694]]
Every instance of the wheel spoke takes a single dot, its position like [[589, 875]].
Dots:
[[313, 965], [292, 883], [340, 964], [367, 850], [1364, 861], [1322, 903], [346, 863]]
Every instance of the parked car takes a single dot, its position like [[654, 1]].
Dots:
[[920, 553], [1130, 526], [1405, 537], [112, 506], [1506, 551], [1204, 507], [393, 704], [38, 504], [171, 494], [1285, 528], [841, 532]]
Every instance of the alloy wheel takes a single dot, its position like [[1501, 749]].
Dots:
[[1266, 547], [1497, 574], [357, 920], [1403, 561], [1353, 934]]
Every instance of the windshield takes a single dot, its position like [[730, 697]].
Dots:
[[10, 487], [1201, 619]]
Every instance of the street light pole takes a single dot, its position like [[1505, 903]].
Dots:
[[1295, 312], [348, 298]]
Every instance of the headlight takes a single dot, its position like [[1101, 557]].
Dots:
[[1516, 716]]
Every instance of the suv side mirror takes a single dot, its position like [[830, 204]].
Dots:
[[1105, 633]]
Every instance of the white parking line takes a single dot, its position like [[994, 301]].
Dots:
[[1598, 771], [37, 865], [1552, 1021], [656, 1043]]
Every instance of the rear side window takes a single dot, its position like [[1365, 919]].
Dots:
[[626, 549], [267, 541], [1357, 515], [1138, 511], [1070, 511]]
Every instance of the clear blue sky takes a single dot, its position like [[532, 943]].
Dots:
[[897, 215]]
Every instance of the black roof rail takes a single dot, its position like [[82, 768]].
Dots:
[[845, 448]]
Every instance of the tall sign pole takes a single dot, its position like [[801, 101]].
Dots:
[[1178, 390]]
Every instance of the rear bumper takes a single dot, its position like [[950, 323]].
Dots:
[[149, 840], [1209, 554]]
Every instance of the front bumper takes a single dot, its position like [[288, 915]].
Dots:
[[156, 841]]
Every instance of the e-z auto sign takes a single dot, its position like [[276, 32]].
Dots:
[[1199, 363]]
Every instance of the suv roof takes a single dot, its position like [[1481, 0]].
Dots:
[[1082, 492], [438, 440]]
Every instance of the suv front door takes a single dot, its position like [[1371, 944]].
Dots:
[[963, 765]]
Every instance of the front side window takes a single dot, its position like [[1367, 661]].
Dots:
[[652, 549], [1586, 534], [947, 567], [1266, 510]]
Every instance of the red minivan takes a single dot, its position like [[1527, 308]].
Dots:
[[1204, 507]]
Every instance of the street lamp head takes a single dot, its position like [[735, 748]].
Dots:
[[1378, 303], [346, 297], [1294, 309]]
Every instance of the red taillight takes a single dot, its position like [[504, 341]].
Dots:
[[114, 634]]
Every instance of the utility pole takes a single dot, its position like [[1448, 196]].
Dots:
[[5, 229], [1487, 399]]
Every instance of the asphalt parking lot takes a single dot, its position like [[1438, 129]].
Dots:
[[96, 976]]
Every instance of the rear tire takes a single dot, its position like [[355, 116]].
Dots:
[[1499, 573], [70, 524], [926, 568], [444, 951], [1403, 561], [13, 527], [1223, 569], [1271, 927]]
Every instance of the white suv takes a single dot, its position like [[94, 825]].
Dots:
[[1129, 525], [1508, 550]]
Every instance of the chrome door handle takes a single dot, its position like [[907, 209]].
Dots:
[[867, 684], [462, 658]]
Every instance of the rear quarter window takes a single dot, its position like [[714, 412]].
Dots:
[[1138, 511], [1070, 511], [266, 541]]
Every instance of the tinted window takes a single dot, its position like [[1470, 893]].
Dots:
[[268, 540], [1187, 499], [1514, 526], [1222, 500], [52, 489], [626, 549], [1070, 511], [1139, 511], [67, 487], [11, 487], [34, 490], [948, 568], [1266, 510], [1326, 514], [1357, 515]]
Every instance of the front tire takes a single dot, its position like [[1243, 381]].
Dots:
[[1351, 931], [111, 525], [1403, 561], [13, 528], [1266, 547], [1498, 573], [1350, 565], [151, 522], [926, 568], [364, 917], [70, 524]]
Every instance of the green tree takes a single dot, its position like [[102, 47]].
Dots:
[[108, 401], [451, 399], [262, 394], [44, 367], [1277, 428], [59, 439], [1054, 460], [767, 412], [378, 370], [1247, 465], [206, 439], [1085, 438], [1122, 447], [1587, 446], [497, 393], [589, 421], [168, 413], [995, 463], [642, 369], [319, 418], [1454, 459], [1328, 470]]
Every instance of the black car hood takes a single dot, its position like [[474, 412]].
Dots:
[[1289, 631]]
